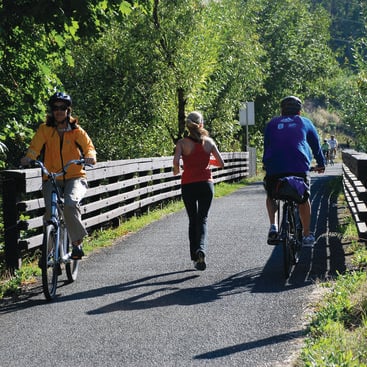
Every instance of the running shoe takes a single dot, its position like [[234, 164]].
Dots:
[[200, 262]]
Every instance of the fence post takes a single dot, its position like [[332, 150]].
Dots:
[[11, 196]]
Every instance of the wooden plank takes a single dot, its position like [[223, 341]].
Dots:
[[31, 242], [30, 205]]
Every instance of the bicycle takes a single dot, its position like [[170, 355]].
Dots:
[[290, 232], [291, 191], [56, 246]]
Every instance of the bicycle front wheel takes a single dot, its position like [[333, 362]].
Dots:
[[49, 264], [71, 266]]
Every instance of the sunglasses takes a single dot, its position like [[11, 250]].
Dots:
[[59, 108]]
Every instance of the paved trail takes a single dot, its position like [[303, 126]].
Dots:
[[141, 303]]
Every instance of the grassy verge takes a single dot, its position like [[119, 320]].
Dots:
[[30, 272], [338, 329]]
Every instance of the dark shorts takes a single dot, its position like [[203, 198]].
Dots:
[[271, 181]]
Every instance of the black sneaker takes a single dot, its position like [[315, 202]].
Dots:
[[77, 253], [200, 262]]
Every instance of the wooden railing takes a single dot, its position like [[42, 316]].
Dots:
[[355, 188], [117, 190]]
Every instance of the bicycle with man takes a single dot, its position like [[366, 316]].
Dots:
[[288, 141], [289, 192]]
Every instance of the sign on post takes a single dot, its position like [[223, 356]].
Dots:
[[247, 117], [247, 114]]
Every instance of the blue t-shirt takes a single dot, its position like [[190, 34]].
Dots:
[[289, 143]]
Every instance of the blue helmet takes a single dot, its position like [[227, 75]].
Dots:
[[60, 96]]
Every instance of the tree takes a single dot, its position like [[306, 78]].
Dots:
[[33, 40], [158, 64], [295, 38]]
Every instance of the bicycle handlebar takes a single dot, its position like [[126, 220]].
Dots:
[[317, 169], [63, 171]]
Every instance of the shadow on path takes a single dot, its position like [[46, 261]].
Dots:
[[251, 345]]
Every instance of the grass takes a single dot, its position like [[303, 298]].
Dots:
[[12, 285], [338, 330]]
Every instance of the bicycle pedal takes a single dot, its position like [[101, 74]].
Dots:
[[274, 242]]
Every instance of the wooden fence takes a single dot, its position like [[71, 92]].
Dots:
[[117, 190], [355, 188]]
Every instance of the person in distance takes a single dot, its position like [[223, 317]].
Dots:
[[289, 140], [198, 151], [60, 139]]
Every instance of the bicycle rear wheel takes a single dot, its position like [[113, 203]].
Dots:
[[71, 266], [298, 236], [291, 245], [287, 257], [49, 263], [285, 236]]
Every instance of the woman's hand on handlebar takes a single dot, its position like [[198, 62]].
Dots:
[[90, 161], [25, 161]]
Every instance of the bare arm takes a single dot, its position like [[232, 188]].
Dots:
[[218, 157], [177, 157]]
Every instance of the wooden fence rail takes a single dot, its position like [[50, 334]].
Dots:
[[117, 190], [355, 188]]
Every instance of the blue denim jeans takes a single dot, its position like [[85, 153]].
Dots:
[[197, 198]]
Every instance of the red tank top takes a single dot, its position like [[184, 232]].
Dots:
[[196, 165]]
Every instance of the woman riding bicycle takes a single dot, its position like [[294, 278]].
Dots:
[[61, 139], [288, 142]]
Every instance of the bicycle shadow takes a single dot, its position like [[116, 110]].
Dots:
[[159, 290]]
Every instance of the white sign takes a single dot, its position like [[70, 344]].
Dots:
[[247, 114]]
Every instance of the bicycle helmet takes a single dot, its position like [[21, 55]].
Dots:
[[60, 96], [290, 105]]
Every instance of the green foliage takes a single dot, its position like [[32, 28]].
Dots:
[[355, 108], [16, 138], [11, 285], [143, 65], [338, 329], [33, 44], [347, 25], [298, 53], [158, 64]]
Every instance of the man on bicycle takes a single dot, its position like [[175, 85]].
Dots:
[[61, 139], [289, 140], [333, 143]]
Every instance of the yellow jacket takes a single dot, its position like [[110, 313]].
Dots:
[[75, 144]]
